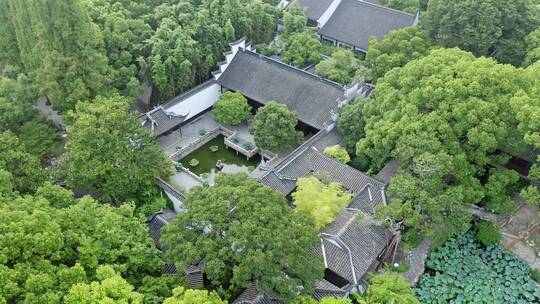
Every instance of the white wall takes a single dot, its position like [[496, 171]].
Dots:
[[197, 102], [328, 13]]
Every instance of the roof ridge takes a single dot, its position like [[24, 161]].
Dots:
[[385, 7], [315, 76], [342, 164]]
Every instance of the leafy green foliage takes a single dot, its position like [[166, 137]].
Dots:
[[351, 124], [535, 275], [483, 27], [528, 116], [111, 288], [467, 273], [64, 50], [304, 48], [387, 288], [108, 150], [395, 50], [231, 109], [533, 47], [338, 153], [39, 137], [45, 250], [242, 231], [294, 19], [341, 67], [191, 296], [409, 6], [321, 201], [445, 117], [157, 289], [325, 300], [497, 190], [274, 127], [487, 233], [25, 168]]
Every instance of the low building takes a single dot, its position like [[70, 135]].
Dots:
[[351, 23]]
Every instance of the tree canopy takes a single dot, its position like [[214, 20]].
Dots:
[[395, 50], [409, 6], [387, 288], [340, 67], [351, 124], [108, 150], [191, 296], [304, 48], [274, 127], [51, 242], [446, 116], [232, 108], [338, 153], [242, 231], [496, 27], [322, 201]]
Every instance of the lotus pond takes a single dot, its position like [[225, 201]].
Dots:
[[207, 157]]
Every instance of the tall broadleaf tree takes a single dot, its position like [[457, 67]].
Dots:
[[109, 151], [241, 231]]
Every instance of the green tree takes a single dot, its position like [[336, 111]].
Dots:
[[304, 48], [528, 115], [341, 67], [232, 108], [533, 48], [322, 201], [111, 288], [294, 20], [395, 50], [108, 150], [487, 233], [274, 127], [24, 167], [351, 124], [338, 153], [497, 190], [482, 27], [325, 300], [45, 250], [445, 116], [387, 288], [62, 48], [39, 137], [409, 6], [242, 232], [16, 97], [192, 296], [157, 289]]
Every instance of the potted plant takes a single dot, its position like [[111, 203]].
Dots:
[[235, 139], [178, 147], [178, 166], [194, 162], [202, 131], [248, 146]]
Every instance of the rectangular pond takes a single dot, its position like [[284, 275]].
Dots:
[[232, 162]]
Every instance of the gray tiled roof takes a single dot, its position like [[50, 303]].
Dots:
[[157, 221], [308, 160], [323, 288], [169, 189], [353, 237], [160, 120], [263, 79], [313, 9], [354, 22], [252, 295]]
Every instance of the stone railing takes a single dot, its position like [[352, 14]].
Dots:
[[196, 144], [239, 145]]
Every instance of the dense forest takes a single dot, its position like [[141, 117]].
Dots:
[[455, 99]]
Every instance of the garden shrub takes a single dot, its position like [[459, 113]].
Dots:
[[461, 271], [338, 153], [231, 109], [194, 162], [487, 233]]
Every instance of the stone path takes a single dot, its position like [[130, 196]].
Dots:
[[416, 258]]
